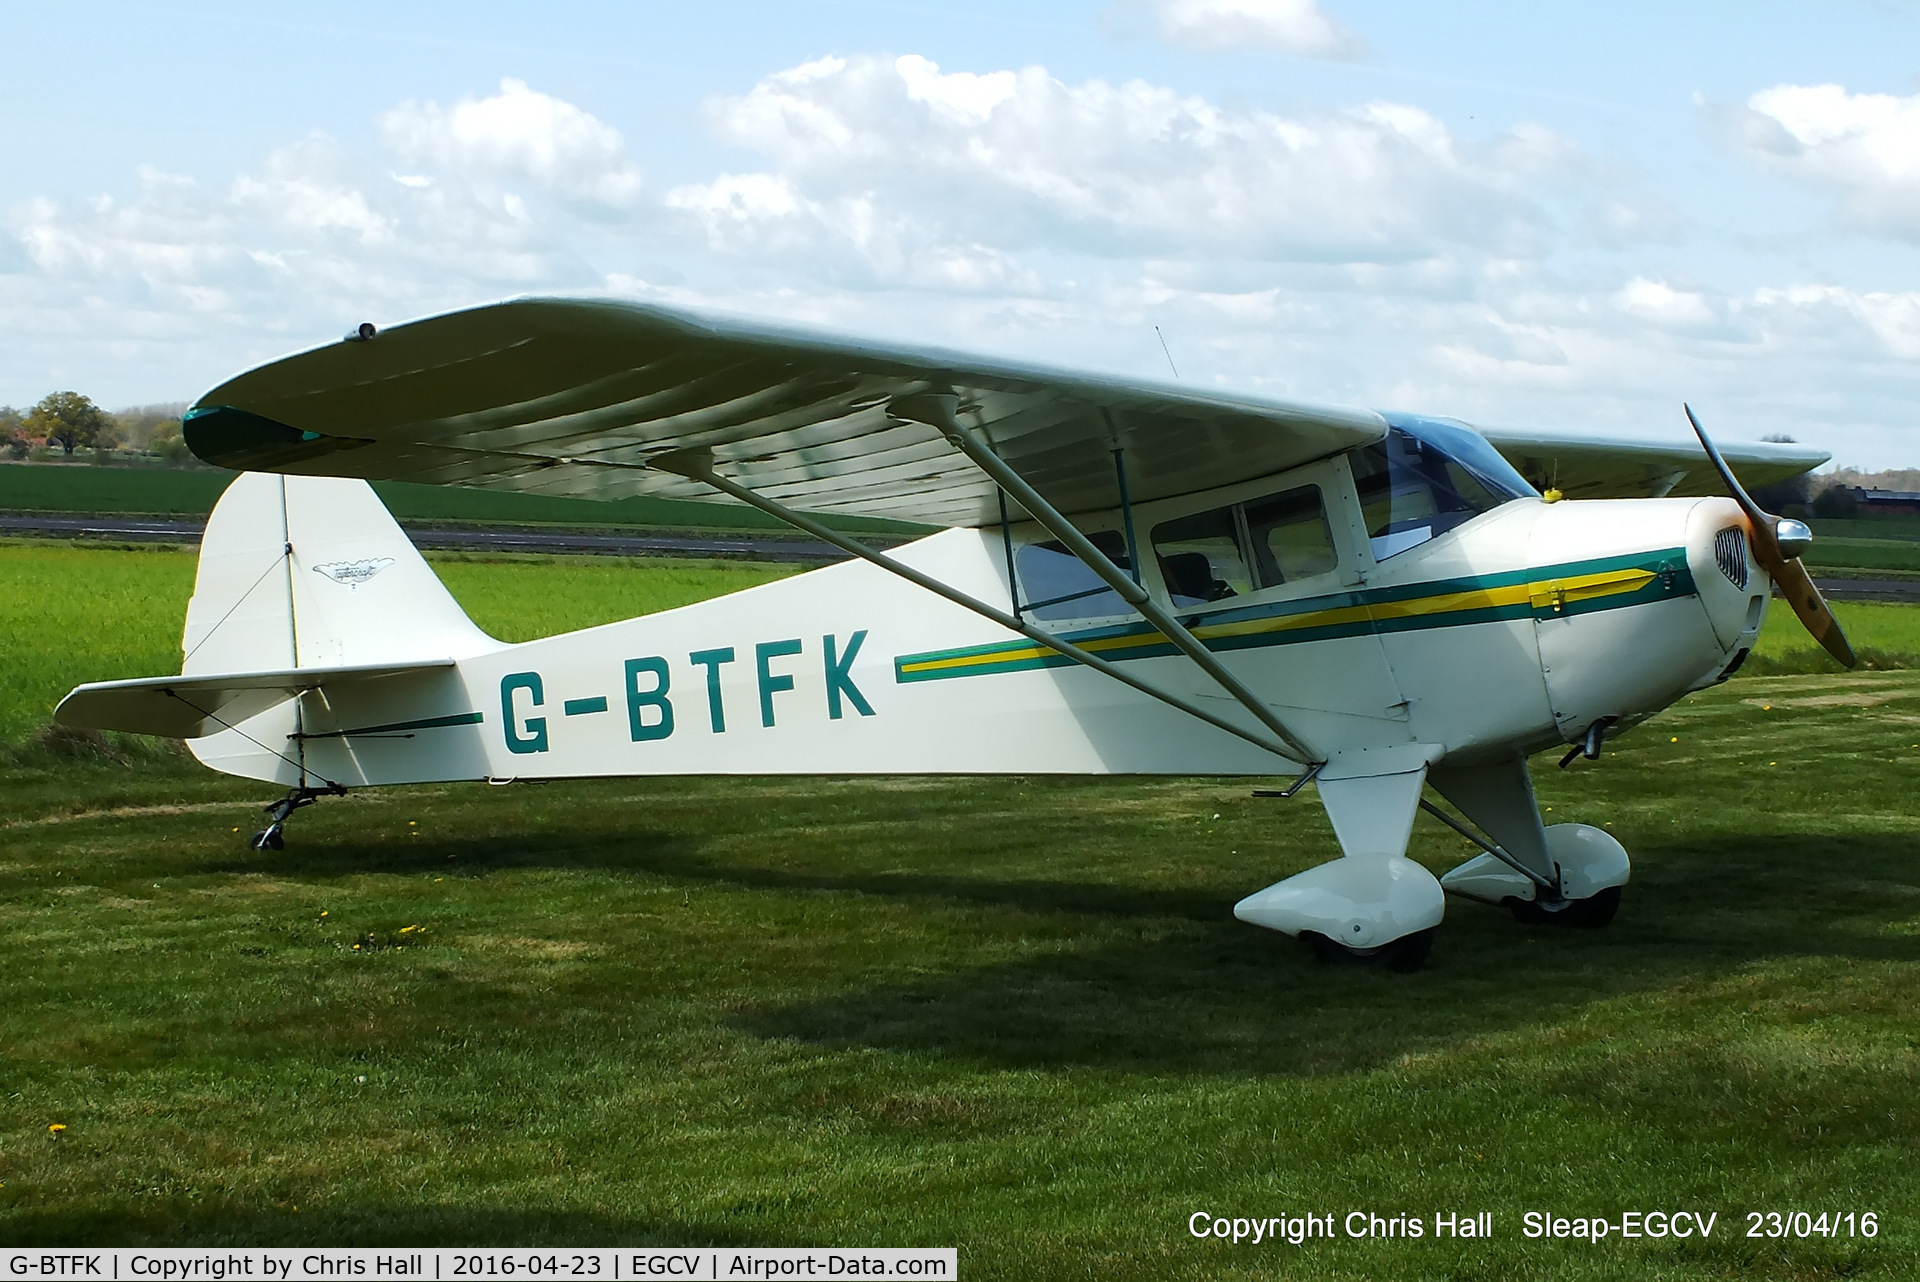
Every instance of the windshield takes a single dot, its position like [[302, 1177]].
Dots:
[[1426, 477]]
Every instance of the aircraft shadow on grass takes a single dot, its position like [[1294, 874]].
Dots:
[[1168, 982]]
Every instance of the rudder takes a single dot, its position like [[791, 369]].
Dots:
[[312, 571]]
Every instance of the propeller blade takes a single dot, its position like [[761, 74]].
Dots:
[[1787, 573], [1797, 586], [1766, 549]]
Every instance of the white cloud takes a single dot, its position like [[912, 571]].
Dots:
[[1662, 304], [1864, 148], [1892, 318], [1283, 26], [1364, 254], [518, 135], [870, 151]]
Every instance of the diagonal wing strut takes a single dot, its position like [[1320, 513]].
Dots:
[[697, 464], [938, 412]]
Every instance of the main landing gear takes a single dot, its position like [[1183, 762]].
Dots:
[[1407, 953], [1589, 869], [273, 836], [1591, 913]]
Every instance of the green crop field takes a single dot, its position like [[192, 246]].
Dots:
[[82, 487], [1014, 1015], [1866, 547]]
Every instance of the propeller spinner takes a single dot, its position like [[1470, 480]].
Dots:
[[1777, 544]]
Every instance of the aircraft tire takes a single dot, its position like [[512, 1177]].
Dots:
[[268, 840], [1407, 953], [1591, 913]]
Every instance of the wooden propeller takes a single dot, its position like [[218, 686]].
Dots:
[[1787, 572]]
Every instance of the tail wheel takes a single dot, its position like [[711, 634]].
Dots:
[[1407, 953], [1591, 913]]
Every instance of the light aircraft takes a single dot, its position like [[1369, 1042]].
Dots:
[[1132, 577]]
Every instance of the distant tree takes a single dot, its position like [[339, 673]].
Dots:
[[1836, 502], [13, 437], [71, 421], [166, 440], [142, 427]]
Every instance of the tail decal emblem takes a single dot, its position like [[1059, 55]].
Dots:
[[354, 573]]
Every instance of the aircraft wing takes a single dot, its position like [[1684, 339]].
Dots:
[[1593, 467], [572, 397], [190, 707]]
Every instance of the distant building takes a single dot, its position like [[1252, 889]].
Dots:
[[1891, 502]]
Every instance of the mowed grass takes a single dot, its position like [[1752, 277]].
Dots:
[[1009, 1014]]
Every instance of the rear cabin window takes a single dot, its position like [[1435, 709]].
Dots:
[[1058, 585], [1243, 547]]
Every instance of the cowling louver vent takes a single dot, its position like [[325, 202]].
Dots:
[[1730, 550]]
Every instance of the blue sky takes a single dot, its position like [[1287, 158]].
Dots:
[[1568, 217]]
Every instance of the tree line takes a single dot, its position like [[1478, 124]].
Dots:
[[66, 422]]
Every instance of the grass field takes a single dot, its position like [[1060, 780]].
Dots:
[[1009, 1014], [128, 604], [1884, 636], [81, 487]]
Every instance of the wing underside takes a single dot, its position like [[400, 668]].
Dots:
[[1608, 468], [575, 398], [569, 397]]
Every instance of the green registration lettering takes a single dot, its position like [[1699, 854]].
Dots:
[[639, 701], [711, 661], [839, 682], [535, 737], [771, 683]]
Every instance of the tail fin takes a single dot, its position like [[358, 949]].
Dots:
[[312, 572]]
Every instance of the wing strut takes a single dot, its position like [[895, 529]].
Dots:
[[697, 464], [937, 412]]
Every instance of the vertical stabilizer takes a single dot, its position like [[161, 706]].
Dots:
[[310, 571]]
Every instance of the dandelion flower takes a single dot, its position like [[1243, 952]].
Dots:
[[56, 1127]]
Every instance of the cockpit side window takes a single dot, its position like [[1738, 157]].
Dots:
[[1059, 585], [1425, 478], [1290, 536], [1243, 547], [1202, 557]]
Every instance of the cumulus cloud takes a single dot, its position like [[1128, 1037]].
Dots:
[[517, 135], [870, 154], [1662, 304], [1862, 147], [1282, 26], [1364, 254], [492, 196]]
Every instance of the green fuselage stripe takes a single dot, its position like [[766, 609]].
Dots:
[[1558, 591], [401, 727]]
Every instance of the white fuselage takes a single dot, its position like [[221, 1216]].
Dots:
[[1507, 634]]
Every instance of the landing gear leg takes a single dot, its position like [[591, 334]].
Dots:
[[273, 836], [1591, 913]]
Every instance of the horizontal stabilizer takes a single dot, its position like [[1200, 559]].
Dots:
[[189, 707]]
